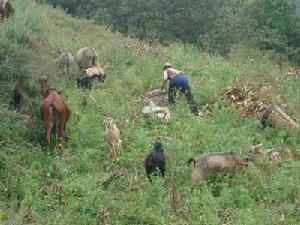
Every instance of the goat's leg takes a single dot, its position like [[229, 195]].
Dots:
[[197, 177], [114, 151], [110, 155]]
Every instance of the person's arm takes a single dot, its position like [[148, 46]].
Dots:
[[164, 80], [163, 84]]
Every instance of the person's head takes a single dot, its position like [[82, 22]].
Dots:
[[166, 66]]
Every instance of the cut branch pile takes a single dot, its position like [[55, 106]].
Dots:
[[292, 74], [251, 100]]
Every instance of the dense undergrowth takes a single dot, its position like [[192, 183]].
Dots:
[[39, 187]]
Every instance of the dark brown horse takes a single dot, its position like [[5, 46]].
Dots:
[[6, 9]]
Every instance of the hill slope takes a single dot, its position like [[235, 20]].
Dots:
[[40, 187]]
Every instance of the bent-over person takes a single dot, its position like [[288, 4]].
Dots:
[[178, 81]]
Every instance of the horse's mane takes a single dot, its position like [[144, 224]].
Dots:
[[49, 90]]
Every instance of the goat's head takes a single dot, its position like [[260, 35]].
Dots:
[[107, 66], [241, 162], [256, 149], [109, 122], [158, 147], [62, 51], [42, 79]]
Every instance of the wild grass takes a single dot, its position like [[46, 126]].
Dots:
[[39, 187]]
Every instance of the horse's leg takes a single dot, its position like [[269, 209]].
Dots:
[[59, 132], [48, 135], [65, 134]]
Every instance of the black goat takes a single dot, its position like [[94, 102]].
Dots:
[[16, 97], [101, 78], [86, 82], [155, 161]]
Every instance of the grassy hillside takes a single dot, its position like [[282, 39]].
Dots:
[[39, 187]]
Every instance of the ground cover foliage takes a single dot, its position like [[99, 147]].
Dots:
[[39, 187]]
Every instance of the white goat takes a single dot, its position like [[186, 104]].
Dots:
[[112, 136], [98, 71]]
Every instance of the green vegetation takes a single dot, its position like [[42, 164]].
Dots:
[[39, 187], [211, 25]]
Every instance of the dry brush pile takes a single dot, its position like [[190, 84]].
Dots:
[[250, 99]]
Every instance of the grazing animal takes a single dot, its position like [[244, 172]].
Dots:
[[98, 71], [43, 81], [258, 152], [112, 136], [86, 82], [214, 163], [155, 161], [54, 113], [87, 57], [6, 9], [16, 97], [65, 60]]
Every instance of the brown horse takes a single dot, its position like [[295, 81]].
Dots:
[[6, 9], [55, 113]]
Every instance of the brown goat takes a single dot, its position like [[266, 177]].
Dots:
[[112, 136], [215, 163], [55, 113], [6, 9]]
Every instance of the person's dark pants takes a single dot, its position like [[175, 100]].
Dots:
[[180, 82]]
